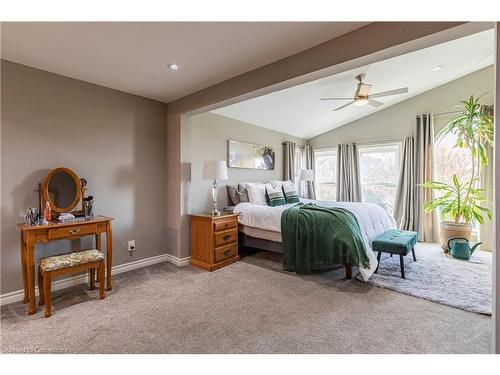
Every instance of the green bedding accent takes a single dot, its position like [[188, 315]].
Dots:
[[318, 238]]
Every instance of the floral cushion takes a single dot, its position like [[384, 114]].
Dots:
[[72, 259]]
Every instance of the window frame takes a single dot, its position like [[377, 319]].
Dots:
[[381, 147], [325, 151]]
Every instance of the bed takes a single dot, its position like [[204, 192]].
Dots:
[[260, 226]]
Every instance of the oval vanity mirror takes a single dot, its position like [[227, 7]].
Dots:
[[62, 189]]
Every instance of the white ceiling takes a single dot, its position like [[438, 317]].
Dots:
[[132, 57], [298, 110]]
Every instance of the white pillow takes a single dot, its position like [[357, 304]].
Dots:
[[257, 193]]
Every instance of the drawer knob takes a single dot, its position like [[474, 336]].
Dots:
[[227, 252], [226, 237], [74, 231]]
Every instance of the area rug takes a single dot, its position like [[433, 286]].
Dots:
[[440, 278]]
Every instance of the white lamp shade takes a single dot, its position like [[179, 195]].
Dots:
[[214, 170], [306, 175]]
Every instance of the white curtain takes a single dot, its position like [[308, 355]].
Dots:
[[309, 156], [289, 160], [404, 207], [427, 224], [348, 179]]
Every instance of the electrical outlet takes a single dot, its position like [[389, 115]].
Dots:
[[131, 246]]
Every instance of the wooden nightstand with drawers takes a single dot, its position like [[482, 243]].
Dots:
[[214, 241]]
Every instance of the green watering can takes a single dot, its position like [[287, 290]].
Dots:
[[460, 248]]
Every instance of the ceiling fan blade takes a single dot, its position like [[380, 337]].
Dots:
[[403, 90], [345, 105], [374, 103], [337, 99]]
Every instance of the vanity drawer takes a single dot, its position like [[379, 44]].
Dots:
[[226, 252], [77, 230], [225, 237], [225, 224]]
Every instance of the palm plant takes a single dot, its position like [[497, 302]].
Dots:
[[461, 200]]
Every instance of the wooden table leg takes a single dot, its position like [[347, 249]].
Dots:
[[30, 259], [98, 241], [109, 255], [24, 268], [98, 247]]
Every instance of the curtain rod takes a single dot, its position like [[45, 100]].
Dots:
[[384, 141]]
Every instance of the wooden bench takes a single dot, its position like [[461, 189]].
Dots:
[[70, 263]]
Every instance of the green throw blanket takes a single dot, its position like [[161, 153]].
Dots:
[[318, 238]]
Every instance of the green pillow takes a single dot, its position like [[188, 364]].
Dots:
[[275, 196], [290, 192]]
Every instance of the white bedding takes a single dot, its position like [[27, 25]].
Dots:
[[373, 221]]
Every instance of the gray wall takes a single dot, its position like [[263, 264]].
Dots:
[[116, 141], [204, 137], [397, 121]]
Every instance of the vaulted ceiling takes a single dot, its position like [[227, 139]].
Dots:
[[298, 110]]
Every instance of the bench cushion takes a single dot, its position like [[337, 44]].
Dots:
[[72, 259], [395, 241]]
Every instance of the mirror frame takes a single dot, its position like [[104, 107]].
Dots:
[[45, 190]]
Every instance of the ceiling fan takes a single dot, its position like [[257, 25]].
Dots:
[[361, 96]]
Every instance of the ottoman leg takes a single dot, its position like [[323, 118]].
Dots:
[[378, 260], [413, 252], [402, 264]]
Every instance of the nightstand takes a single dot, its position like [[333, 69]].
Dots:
[[214, 241]]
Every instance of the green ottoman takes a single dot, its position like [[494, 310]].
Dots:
[[395, 241]]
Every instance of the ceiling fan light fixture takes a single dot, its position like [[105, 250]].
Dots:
[[360, 101]]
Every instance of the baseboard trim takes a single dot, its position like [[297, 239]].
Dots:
[[18, 295]]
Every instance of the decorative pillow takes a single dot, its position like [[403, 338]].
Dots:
[[275, 195], [277, 184], [257, 193], [290, 192], [234, 198], [242, 193]]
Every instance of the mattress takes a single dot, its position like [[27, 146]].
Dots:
[[373, 220], [263, 234]]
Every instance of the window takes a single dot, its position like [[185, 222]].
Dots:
[[451, 160], [379, 168], [326, 174]]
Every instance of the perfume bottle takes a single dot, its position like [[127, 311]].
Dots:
[[47, 212]]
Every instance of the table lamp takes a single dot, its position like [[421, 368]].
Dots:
[[214, 170], [306, 175]]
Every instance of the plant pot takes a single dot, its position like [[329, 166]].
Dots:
[[449, 229]]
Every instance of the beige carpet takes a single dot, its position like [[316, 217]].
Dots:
[[248, 307]]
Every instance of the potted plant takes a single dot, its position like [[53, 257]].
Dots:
[[461, 201]]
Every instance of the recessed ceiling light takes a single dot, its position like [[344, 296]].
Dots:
[[437, 68], [173, 66]]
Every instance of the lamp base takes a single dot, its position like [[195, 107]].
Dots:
[[215, 213]]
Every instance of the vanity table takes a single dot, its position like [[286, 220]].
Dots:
[[63, 190], [33, 234]]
